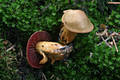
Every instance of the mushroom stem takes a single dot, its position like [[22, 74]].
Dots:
[[44, 59], [66, 36]]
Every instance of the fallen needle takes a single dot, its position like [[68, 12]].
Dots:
[[115, 43], [10, 48], [106, 42]]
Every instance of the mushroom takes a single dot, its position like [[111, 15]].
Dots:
[[74, 21], [39, 43], [32, 57]]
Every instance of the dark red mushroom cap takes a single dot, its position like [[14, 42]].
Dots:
[[33, 57]]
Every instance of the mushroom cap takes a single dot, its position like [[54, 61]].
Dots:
[[33, 57], [77, 21]]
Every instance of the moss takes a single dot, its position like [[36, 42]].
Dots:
[[25, 17]]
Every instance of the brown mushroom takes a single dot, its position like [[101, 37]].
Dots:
[[74, 21], [32, 57]]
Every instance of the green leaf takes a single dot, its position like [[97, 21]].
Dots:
[[117, 21], [110, 23], [117, 16]]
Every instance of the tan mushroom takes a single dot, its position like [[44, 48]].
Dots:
[[74, 21]]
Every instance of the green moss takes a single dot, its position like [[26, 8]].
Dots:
[[27, 17]]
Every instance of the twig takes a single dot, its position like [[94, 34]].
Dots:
[[91, 54], [106, 34], [52, 76], [114, 33], [115, 43], [106, 42], [103, 33], [111, 43], [21, 52], [44, 76], [10, 48], [113, 2]]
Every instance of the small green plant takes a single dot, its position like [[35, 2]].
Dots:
[[114, 18], [8, 62]]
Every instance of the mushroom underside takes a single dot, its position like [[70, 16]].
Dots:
[[33, 57]]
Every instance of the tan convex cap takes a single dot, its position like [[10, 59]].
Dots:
[[77, 21]]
